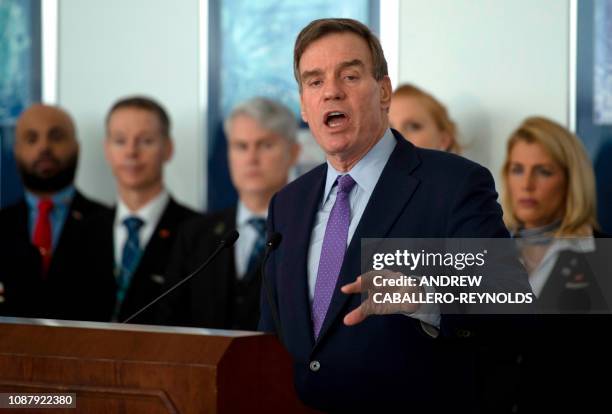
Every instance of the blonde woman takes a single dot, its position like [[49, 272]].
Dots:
[[422, 119], [549, 206]]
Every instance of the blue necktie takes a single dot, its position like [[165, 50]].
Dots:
[[129, 258], [260, 243]]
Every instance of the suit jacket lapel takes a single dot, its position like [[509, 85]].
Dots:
[[389, 199], [23, 225], [293, 279], [23, 239], [70, 231], [157, 244]]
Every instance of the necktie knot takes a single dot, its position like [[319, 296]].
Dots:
[[259, 224], [133, 224], [45, 205], [345, 183]]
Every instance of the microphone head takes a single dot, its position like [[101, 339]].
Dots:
[[274, 240], [230, 238]]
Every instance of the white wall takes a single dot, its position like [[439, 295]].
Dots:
[[492, 62], [112, 48]]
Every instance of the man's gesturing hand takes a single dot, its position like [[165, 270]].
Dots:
[[369, 306]]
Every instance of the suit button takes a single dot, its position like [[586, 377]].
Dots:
[[315, 366]]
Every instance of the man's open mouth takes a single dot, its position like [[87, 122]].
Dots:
[[336, 119]]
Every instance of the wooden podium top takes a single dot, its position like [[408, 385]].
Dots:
[[140, 368]]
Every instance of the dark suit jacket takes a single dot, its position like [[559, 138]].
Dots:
[[579, 283], [213, 298], [75, 287], [385, 362], [149, 277], [570, 354]]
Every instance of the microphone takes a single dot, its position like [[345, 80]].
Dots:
[[274, 240], [228, 241]]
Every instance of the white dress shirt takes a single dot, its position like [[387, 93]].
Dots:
[[539, 276], [248, 236], [366, 174], [150, 214]]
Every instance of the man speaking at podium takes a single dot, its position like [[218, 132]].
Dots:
[[374, 184]]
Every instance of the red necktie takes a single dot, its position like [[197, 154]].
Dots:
[[42, 233]]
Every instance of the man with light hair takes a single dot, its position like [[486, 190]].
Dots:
[[262, 148], [143, 226]]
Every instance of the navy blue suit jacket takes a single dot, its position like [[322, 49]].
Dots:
[[385, 361]]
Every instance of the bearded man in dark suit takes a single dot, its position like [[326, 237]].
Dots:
[[47, 268]]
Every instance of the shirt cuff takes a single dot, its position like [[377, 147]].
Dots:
[[429, 316]]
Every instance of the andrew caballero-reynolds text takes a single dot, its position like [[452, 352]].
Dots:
[[424, 296], [434, 284]]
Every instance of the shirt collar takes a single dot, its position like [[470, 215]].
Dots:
[[61, 198], [244, 214], [367, 171], [574, 244], [149, 213]]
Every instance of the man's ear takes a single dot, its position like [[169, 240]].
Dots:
[[107, 149], [385, 93], [168, 149], [77, 147], [295, 151]]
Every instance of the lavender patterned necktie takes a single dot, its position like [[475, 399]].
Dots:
[[332, 252]]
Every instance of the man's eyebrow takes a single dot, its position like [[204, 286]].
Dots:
[[57, 129], [348, 64], [310, 73], [343, 65]]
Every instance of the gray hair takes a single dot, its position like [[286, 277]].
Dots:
[[271, 115]]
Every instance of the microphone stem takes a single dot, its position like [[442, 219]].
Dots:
[[179, 283], [271, 303]]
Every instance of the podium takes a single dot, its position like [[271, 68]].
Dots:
[[116, 368]]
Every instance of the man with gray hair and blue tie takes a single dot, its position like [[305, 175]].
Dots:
[[262, 148]]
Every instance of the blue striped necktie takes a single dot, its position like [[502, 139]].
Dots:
[[129, 258], [260, 243]]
